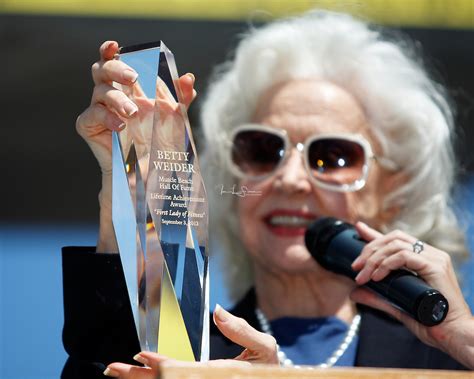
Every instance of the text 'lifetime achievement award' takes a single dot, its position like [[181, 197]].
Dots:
[[160, 211]]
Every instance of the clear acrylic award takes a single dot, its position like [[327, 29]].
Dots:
[[160, 211]]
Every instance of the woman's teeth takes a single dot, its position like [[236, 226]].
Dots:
[[289, 221]]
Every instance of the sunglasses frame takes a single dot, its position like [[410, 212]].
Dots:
[[303, 149]]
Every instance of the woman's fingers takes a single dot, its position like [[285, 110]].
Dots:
[[376, 241], [402, 259], [260, 347], [186, 82], [364, 296], [110, 69], [152, 360], [385, 253], [93, 118], [114, 99], [367, 234], [125, 371], [108, 50], [378, 260], [371, 299], [113, 71]]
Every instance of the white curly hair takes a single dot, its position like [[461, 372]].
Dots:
[[408, 113]]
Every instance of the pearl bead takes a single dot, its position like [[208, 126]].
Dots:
[[287, 362]]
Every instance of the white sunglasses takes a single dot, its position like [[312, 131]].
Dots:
[[338, 162]]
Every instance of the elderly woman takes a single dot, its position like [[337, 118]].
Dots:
[[315, 116]]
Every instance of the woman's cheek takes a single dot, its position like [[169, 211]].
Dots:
[[249, 213], [247, 227], [336, 204]]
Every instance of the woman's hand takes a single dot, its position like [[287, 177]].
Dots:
[[259, 348], [110, 107], [385, 253], [110, 110]]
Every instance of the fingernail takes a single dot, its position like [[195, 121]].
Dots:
[[374, 276], [104, 47], [357, 277], [219, 314], [191, 75], [117, 123], [114, 122], [109, 45], [363, 224], [141, 359], [130, 108], [130, 75], [355, 262], [112, 373]]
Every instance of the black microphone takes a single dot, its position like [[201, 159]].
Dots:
[[335, 245]]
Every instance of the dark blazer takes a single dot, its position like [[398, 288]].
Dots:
[[99, 328]]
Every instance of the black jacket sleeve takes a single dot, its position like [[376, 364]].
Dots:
[[385, 342], [98, 323]]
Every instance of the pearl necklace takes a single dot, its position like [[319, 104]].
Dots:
[[331, 361]]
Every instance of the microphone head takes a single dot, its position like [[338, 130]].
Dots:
[[320, 233]]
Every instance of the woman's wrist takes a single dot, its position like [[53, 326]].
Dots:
[[466, 349], [460, 344], [106, 242]]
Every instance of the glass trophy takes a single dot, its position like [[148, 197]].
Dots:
[[160, 211]]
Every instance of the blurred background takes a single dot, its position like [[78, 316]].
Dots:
[[50, 183]]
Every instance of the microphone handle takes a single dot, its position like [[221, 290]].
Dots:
[[402, 288]]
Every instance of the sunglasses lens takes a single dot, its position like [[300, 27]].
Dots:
[[257, 152], [336, 160]]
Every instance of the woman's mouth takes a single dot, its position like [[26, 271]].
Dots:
[[288, 223]]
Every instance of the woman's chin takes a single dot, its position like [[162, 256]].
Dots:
[[290, 259]]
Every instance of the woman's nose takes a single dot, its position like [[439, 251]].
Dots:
[[292, 176]]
